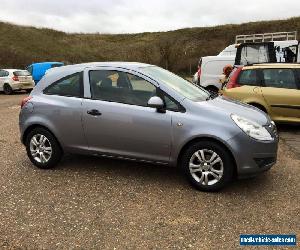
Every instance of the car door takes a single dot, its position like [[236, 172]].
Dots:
[[249, 90], [117, 120], [281, 92]]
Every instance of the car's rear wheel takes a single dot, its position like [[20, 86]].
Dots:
[[208, 165], [7, 89], [42, 148]]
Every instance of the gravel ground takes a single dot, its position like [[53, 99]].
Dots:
[[94, 203]]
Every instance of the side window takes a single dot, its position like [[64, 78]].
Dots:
[[248, 77], [71, 85], [121, 87], [3, 73], [114, 79], [280, 78], [171, 104]]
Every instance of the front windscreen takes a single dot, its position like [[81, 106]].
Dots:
[[180, 85]]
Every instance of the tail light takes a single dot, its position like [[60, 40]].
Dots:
[[25, 100], [15, 78], [232, 83], [199, 72]]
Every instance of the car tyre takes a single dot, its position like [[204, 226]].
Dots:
[[42, 148], [208, 166], [28, 90], [7, 89]]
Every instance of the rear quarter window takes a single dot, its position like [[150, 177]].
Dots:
[[71, 86]]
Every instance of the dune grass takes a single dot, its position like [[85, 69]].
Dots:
[[175, 50]]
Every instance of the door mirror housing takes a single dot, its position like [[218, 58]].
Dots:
[[157, 102]]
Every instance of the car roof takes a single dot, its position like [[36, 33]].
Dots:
[[272, 65], [127, 65], [82, 66], [56, 73]]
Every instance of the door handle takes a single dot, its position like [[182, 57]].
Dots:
[[94, 112]]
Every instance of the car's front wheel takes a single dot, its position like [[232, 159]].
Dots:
[[42, 148], [207, 165]]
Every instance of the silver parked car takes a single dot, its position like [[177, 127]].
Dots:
[[14, 80], [145, 113]]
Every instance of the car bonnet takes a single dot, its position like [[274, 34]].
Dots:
[[226, 106]]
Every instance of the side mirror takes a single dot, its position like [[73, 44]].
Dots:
[[157, 102]]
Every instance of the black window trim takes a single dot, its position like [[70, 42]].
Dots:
[[161, 94], [81, 87], [158, 91], [297, 76]]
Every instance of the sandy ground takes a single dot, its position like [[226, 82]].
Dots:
[[94, 203]]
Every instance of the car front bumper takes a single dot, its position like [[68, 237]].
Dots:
[[252, 156]]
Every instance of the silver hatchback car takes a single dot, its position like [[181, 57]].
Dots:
[[145, 113]]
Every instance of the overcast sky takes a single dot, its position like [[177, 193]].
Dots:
[[132, 16]]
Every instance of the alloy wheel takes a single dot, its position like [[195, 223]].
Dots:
[[40, 148], [206, 167]]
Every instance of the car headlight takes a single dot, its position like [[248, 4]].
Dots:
[[252, 128]]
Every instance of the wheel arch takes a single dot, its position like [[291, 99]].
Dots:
[[258, 105], [33, 126], [210, 139]]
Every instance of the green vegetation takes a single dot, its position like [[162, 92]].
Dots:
[[175, 50]]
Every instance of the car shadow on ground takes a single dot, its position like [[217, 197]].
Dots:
[[158, 175], [15, 93]]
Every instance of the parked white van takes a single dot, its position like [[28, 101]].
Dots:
[[210, 71]]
